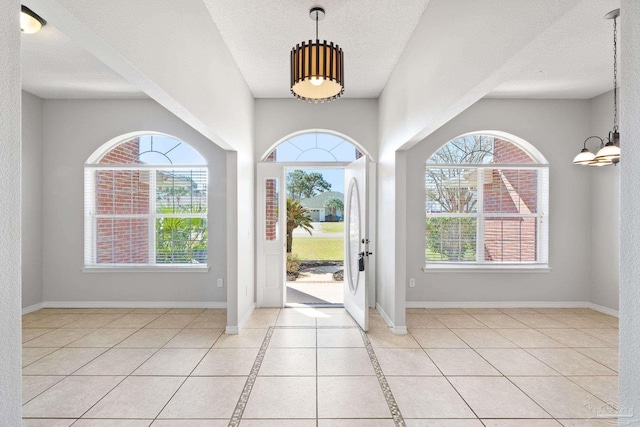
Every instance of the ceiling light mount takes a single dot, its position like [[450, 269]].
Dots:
[[30, 22], [317, 68], [609, 150]]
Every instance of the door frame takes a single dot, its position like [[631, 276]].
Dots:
[[279, 169]]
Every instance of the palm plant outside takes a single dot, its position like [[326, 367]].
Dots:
[[334, 204], [297, 216]]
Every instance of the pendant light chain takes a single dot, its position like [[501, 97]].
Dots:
[[615, 74], [316, 25]]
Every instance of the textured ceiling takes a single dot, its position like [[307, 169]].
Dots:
[[260, 35], [578, 66], [53, 66]]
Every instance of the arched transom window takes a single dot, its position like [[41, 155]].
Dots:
[[314, 147], [486, 203], [146, 205]]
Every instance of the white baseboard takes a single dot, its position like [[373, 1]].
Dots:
[[133, 304], [603, 309], [234, 330], [32, 308], [400, 330], [512, 304]]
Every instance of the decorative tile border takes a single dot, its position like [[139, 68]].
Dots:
[[248, 386], [398, 419]]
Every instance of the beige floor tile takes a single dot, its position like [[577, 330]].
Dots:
[[421, 321], [152, 310], [246, 338], [460, 362], [459, 321], [592, 422], [43, 422], [537, 320], [282, 397], [174, 321], [278, 423], [336, 318], [263, 318], [340, 338], [559, 396], [574, 338], [205, 397], [604, 388], [117, 361], [529, 338], [409, 362], [569, 362], [297, 317], [34, 385], [501, 321], [521, 423], [295, 362], [124, 401], [610, 335], [516, 310], [35, 315], [103, 338], [442, 423], [94, 321], [149, 338], [578, 321], [336, 394], [377, 322], [133, 320], [551, 310], [172, 361], [227, 361], [190, 423], [496, 398], [356, 423], [30, 355], [445, 311], [483, 338], [606, 356], [206, 321], [70, 398], [344, 361], [195, 338], [113, 423], [516, 362], [293, 338], [385, 338], [473, 311], [428, 397], [604, 318], [57, 338], [437, 338], [29, 334], [53, 321], [63, 361], [186, 311]]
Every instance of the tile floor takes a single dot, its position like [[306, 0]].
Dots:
[[313, 367]]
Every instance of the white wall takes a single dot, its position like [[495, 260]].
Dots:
[[355, 118], [629, 401], [604, 185], [10, 348], [73, 130], [31, 199], [556, 129]]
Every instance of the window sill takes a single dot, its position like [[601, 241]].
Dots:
[[147, 269], [458, 268]]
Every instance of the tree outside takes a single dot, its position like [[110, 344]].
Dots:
[[304, 185], [333, 205]]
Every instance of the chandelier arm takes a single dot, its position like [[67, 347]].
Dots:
[[594, 136]]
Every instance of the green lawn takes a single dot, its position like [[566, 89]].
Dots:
[[332, 227], [322, 249]]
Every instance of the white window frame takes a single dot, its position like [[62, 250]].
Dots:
[[542, 237], [90, 220]]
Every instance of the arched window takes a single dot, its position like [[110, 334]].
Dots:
[[314, 147], [486, 203], [146, 204]]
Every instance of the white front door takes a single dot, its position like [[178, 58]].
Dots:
[[272, 235], [356, 242]]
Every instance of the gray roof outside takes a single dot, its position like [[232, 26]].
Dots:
[[317, 202]]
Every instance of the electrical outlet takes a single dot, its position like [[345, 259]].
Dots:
[[412, 283], [220, 283]]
